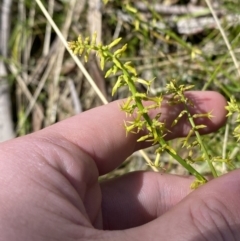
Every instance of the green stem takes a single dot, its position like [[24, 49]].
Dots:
[[162, 142], [140, 106], [203, 147]]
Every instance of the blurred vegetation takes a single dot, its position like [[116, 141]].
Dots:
[[168, 39]]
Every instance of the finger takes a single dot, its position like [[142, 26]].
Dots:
[[209, 213], [144, 195], [100, 133], [203, 102]]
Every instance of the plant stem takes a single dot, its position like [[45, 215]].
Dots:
[[162, 142], [203, 147], [148, 120]]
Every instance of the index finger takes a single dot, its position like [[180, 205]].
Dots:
[[100, 133]]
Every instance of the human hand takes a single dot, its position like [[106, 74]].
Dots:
[[50, 189]]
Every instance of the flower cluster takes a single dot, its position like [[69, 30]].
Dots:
[[128, 77], [139, 111]]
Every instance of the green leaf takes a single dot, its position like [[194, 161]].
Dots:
[[145, 138], [117, 63], [114, 43], [118, 84], [131, 9], [120, 51], [102, 62], [131, 69], [109, 72]]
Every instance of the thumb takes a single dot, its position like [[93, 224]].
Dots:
[[210, 213]]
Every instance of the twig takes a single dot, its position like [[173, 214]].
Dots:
[[224, 36], [42, 63], [76, 102], [54, 89], [189, 26], [78, 11], [31, 17], [174, 9], [22, 36], [95, 18], [147, 159], [6, 125], [24, 88], [47, 37], [37, 93], [118, 27], [95, 26], [5, 20], [224, 149]]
